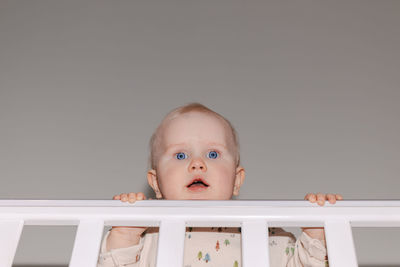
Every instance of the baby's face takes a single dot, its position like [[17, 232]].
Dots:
[[197, 160]]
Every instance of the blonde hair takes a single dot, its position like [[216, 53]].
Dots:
[[155, 140]]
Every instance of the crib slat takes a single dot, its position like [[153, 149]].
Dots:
[[255, 249], [340, 244], [87, 244], [10, 232], [171, 243]]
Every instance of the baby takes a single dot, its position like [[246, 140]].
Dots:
[[195, 155]]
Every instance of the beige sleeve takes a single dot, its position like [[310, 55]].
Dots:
[[306, 252], [127, 257]]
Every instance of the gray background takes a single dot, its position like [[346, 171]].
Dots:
[[311, 86]]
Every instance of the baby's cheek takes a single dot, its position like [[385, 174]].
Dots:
[[167, 177], [227, 175]]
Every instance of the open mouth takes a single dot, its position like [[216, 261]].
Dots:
[[198, 182]]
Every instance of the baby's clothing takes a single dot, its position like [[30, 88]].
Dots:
[[219, 247]]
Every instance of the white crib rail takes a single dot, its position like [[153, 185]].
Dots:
[[173, 216], [10, 232], [87, 243]]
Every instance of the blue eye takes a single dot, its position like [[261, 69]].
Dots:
[[180, 156], [212, 154]]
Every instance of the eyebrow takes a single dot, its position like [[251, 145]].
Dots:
[[183, 144]]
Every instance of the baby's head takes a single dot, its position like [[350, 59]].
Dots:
[[195, 155]]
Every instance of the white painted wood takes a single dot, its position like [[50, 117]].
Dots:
[[340, 244], [201, 213], [171, 243], [174, 215], [255, 249], [10, 232], [87, 244], [192, 203]]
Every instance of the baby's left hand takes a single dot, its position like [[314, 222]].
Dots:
[[320, 198], [318, 232]]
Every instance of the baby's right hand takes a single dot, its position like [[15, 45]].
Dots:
[[130, 197], [125, 236]]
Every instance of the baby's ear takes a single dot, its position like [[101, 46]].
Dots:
[[240, 175], [153, 182]]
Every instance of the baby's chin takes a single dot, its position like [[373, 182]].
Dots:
[[200, 197], [195, 198]]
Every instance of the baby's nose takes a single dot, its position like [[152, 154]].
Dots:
[[197, 164]]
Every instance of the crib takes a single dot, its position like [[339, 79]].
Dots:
[[253, 216]]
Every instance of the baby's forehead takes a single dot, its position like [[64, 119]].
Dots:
[[194, 119], [208, 127]]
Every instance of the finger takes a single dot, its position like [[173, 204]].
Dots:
[[331, 198], [312, 198], [132, 197], [124, 197], [117, 197], [307, 196], [140, 196], [339, 197], [321, 199]]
